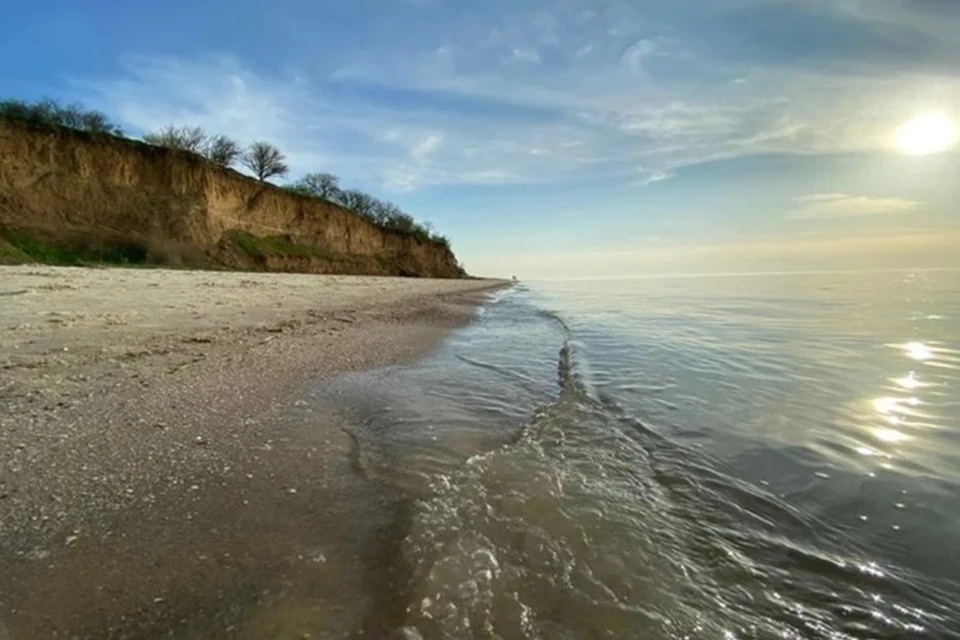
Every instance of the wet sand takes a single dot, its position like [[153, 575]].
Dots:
[[161, 474]]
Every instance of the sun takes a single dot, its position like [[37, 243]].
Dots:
[[927, 133]]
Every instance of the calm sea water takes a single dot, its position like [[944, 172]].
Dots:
[[765, 456]]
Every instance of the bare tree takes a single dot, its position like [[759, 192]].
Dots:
[[360, 202], [265, 160], [384, 212], [322, 185], [50, 112], [222, 150], [185, 138]]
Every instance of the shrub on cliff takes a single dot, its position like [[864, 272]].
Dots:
[[443, 241], [360, 203], [318, 185], [51, 113], [184, 138], [218, 149], [265, 160], [385, 215], [222, 150]]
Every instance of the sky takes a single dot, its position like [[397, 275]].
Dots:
[[557, 138]]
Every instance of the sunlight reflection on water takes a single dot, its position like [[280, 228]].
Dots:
[[729, 457], [918, 351]]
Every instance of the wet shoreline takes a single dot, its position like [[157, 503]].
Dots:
[[191, 490]]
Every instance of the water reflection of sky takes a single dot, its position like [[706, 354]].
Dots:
[[840, 392], [856, 367]]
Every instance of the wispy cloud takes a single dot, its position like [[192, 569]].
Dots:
[[525, 55], [326, 126], [636, 54], [656, 176], [584, 90], [823, 206]]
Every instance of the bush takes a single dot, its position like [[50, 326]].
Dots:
[[299, 189], [443, 241], [318, 185], [359, 202], [191, 139], [222, 150], [51, 113], [385, 215], [74, 250]]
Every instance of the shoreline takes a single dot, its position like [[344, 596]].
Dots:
[[158, 469]]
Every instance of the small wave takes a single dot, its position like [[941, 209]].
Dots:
[[590, 527], [554, 317], [601, 519]]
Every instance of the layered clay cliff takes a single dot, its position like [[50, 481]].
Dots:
[[68, 193]]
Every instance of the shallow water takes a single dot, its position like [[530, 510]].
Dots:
[[770, 456]]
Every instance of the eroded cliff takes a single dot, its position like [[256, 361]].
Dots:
[[65, 192]]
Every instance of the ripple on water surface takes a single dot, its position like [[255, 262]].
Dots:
[[732, 458]]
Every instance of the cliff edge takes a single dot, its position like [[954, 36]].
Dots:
[[70, 196]]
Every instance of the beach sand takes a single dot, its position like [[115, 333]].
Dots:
[[161, 474]]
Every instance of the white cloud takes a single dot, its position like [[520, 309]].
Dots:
[[426, 146], [711, 109], [525, 55], [823, 206], [656, 176], [594, 104], [583, 51], [369, 144], [219, 95], [636, 54]]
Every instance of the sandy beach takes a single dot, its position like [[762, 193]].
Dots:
[[157, 478]]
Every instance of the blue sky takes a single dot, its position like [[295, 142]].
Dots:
[[556, 138]]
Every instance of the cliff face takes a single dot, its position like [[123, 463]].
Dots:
[[66, 186]]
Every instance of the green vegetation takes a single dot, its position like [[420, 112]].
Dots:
[[9, 254], [81, 251], [51, 113], [386, 215], [262, 158]]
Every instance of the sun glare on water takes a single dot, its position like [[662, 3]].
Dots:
[[927, 133]]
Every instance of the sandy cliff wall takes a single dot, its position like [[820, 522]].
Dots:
[[62, 184]]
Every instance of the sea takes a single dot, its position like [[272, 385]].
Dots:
[[716, 456]]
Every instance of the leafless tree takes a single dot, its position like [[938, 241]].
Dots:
[[360, 202], [184, 138], [265, 160], [322, 185], [384, 212], [221, 150]]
